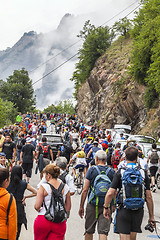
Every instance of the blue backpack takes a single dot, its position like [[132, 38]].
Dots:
[[100, 187], [133, 189]]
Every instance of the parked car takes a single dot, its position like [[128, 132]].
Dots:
[[122, 127], [54, 140], [142, 139]]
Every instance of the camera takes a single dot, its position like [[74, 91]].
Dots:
[[149, 227]]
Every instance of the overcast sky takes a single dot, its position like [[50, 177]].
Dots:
[[19, 16]]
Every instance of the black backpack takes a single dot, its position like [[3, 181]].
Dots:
[[19, 143], [66, 136], [56, 211], [63, 176], [67, 147], [109, 153]]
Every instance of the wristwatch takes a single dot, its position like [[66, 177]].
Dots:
[[105, 207]]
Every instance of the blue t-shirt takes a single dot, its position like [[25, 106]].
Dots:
[[92, 174]]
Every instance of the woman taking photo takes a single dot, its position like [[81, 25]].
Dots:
[[8, 229], [43, 228], [17, 187]]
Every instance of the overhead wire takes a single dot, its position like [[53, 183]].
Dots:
[[55, 69], [79, 41]]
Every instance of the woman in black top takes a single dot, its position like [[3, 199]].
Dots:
[[17, 187]]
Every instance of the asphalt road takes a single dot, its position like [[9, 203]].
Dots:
[[75, 225]]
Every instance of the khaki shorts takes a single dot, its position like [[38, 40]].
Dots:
[[103, 226]]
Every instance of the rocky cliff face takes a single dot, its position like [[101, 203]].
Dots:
[[110, 95]]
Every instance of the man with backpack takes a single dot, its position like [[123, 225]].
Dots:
[[116, 156], [19, 144], [109, 152], [93, 151], [97, 182], [153, 160], [133, 187], [43, 155]]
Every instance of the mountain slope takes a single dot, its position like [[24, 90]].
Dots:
[[34, 50]]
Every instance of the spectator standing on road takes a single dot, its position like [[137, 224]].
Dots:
[[43, 228], [27, 157], [153, 160], [17, 187], [91, 210], [20, 142], [65, 176], [43, 155], [93, 151], [116, 156], [9, 148], [19, 118], [7, 230], [128, 220]]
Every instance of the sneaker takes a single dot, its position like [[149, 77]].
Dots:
[[154, 189]]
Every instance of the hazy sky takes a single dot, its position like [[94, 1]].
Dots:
[[19, 16]]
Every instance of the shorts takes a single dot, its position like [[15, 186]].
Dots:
[[80, 166], [153, 170], [103, 226], [127, 221], [27, 169]]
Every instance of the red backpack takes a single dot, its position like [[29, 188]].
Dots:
[[45, 150], [117, 156]]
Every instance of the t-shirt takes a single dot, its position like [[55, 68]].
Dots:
[[41, 150], [28, 153], [141, 161], [8, 149], [117, 180], [92, 174], [149, 154], [47, 199], [75, 136]]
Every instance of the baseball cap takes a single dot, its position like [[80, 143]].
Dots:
[[2, 154], [28, 139]]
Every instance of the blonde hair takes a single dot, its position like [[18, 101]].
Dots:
[[53, 170]]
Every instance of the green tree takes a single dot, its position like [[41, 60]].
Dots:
[[65, 106], [146, 52], [96, 42], [50, 109], [7, 113], [18, 89], [123, 27]]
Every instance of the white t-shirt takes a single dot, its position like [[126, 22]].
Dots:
[[78, 161], [149, 154], [47, 199], [141, 161], [74, 136]]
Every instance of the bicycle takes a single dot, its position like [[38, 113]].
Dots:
[[79, 180]]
